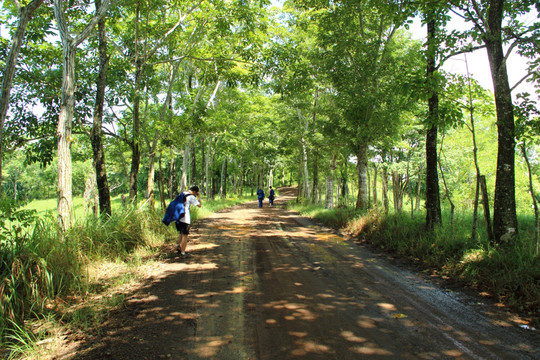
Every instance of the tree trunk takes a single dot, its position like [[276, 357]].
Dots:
[[241, 182], [433, 202], [161, 185], [224, 177], [361, 167], [135, 143], [10, 67], [207, 170], [67, 104], [330, 184], [344, 183], [149, 195], [386, 202], [533, 196], [485, 203], [315, 185], [96, 139], [398, 191], [409, 183], [418, 189], [505, 226], [368, 185], [173, 188], [305, 173], [375, 200], [15, 191], [447, 194], [153, 146], [185, 164], [475, 209], [203, 167], [63, 134], [193, 164]]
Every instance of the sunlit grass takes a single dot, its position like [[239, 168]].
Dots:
[[47, 207]]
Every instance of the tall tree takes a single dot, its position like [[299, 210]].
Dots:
[[65, 118], [360, 43], [96, 133], [488, 18], [145, 47], [433, 202], [25, 14]]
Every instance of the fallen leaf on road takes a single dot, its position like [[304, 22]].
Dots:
[[399, 316]]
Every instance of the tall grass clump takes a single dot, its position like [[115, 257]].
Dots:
[[116, 236], [509, 273], [37, 265], [34, 267]]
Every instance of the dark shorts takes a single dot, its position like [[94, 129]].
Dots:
[[182, 227]]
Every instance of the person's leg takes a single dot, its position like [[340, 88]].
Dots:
[[183, 242], [179, 244], [260, 203], [183, 228]]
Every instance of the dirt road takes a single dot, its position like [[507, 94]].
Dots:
[[268, 284]]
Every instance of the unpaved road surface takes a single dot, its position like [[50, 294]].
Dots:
[[268, 284]]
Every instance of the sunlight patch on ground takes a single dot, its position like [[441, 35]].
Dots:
[[487, 342], [300, 312], [370, 349], [293, 306], [185, 316], [189, 267], [326, 296], [324, 307], [329, 237], [453, 353], [307, 347], [236, 290], [202, 246], [298, 334], [210, 346], [183, 292], [367, 323], [349, 336], [147, 298], [205, 295], [387, 307]]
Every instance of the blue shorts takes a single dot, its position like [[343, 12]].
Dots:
[[182, 227]]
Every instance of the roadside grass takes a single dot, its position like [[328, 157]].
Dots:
[[71, 283], [509, 274]]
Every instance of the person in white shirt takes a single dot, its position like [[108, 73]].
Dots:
[[192, 197]]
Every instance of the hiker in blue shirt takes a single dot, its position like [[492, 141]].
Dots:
[[260, 196], [272, 196]]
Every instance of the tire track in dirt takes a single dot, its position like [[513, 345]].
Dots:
[[268, 284]]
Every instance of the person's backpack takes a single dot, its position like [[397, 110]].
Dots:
[[176, 209]]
